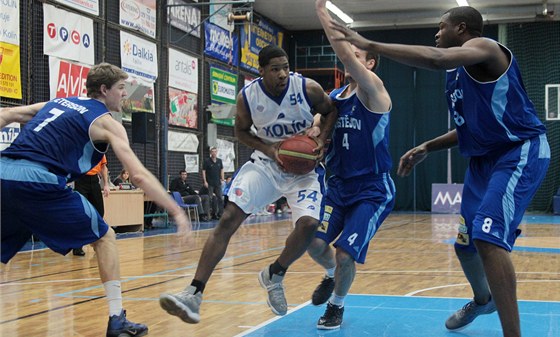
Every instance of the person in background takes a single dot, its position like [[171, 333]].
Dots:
[[278, 92], [360, 192], [62, 140], [122, 178], [497, 127], [88, 186], [212, 178], [190, 196]]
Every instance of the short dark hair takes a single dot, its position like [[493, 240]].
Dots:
[[269, 52], [181, 172], [470, 16], [103, 73]]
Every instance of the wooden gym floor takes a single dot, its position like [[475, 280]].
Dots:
[[411, 267]]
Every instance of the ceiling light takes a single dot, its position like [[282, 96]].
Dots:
[[336, 11], [462, 3]]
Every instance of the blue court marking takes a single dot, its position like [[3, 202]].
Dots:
[[522, 248], [399, 316]]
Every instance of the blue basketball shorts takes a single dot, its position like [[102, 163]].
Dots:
[[353, 210], [36, 201], [497, 190]]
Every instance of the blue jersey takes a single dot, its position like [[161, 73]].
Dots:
[[491, 115], [360, 140], [58, 137]]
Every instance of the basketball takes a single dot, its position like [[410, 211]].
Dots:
[[296, 153]]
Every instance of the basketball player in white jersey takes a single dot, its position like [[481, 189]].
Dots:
[[277, 105]]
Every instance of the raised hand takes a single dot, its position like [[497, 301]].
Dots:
[[348, 35]]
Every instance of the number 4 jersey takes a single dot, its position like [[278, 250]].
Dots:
[[360, 141], [58, 137]]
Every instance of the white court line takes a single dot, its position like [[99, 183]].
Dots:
[[466, 284], [254, 328]]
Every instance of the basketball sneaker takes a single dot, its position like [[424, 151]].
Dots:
[[466, 315], [185, 304], [276, 299], [119, 326], [323, 291], [332, 319]]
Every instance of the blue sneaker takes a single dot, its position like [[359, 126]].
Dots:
[[119, 326], [466, 315]]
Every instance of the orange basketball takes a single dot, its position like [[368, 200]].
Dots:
[[297, 154]]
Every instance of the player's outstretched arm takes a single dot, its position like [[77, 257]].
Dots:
[[19, 114], [324, 106], [108, 130], [416, 155]]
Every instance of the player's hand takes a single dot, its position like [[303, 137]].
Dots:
[[320, 149], [349, 35], [184, 226], [320, 3], [106, 190], [410, 159], [273, 153]]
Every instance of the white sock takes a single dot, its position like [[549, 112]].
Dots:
[[337, 300], [114, 297], [330, 272]]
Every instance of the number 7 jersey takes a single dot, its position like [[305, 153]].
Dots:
[[58, 137]]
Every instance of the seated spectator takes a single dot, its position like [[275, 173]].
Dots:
[[122, 178], [190, 196]]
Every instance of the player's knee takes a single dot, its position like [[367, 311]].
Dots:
[[343, 258], [108, 237], [308, 224], [317, 247]]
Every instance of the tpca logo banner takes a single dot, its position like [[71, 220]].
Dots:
[[88, 6], [223, 86], [183, 71], [9, 21], [221, 44], [447, 198], [255, 37], [184, 17], [139, 57], [8, 135], [66, 78], [67, 35], [139, 15]]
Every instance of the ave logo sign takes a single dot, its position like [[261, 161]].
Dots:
[[68, 79]]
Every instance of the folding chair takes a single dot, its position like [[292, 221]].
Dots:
[[188, 208]]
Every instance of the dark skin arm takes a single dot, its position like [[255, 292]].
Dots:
[[483, 58]]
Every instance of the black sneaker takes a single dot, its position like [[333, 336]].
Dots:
[[323, 291], [119, 326], [332, 319], [78, 252]]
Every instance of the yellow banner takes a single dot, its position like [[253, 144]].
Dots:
[[10, 74]]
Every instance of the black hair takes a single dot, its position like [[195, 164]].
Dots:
[[470, 16], [269, 52]]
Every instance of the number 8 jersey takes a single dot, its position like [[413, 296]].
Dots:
[[54, 139]]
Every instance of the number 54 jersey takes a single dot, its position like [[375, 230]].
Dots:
[[58, 137]]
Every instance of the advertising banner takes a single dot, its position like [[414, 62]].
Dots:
[[226, 151], [9, 21], [191, 163], [140, 97], [67, 35], [219, 13], [10, 74], [183, 71], [139, 15], [88, 6], [183, 108], [184, 17], [8, 135], [182, 141], [139, 57], [221, 44], [223, 86], [446, 198], [67, 79], [255, 37]]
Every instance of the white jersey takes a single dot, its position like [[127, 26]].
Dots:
[[278, 118]]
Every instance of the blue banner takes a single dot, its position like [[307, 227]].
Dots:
[[255, 37], [220, 44]]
